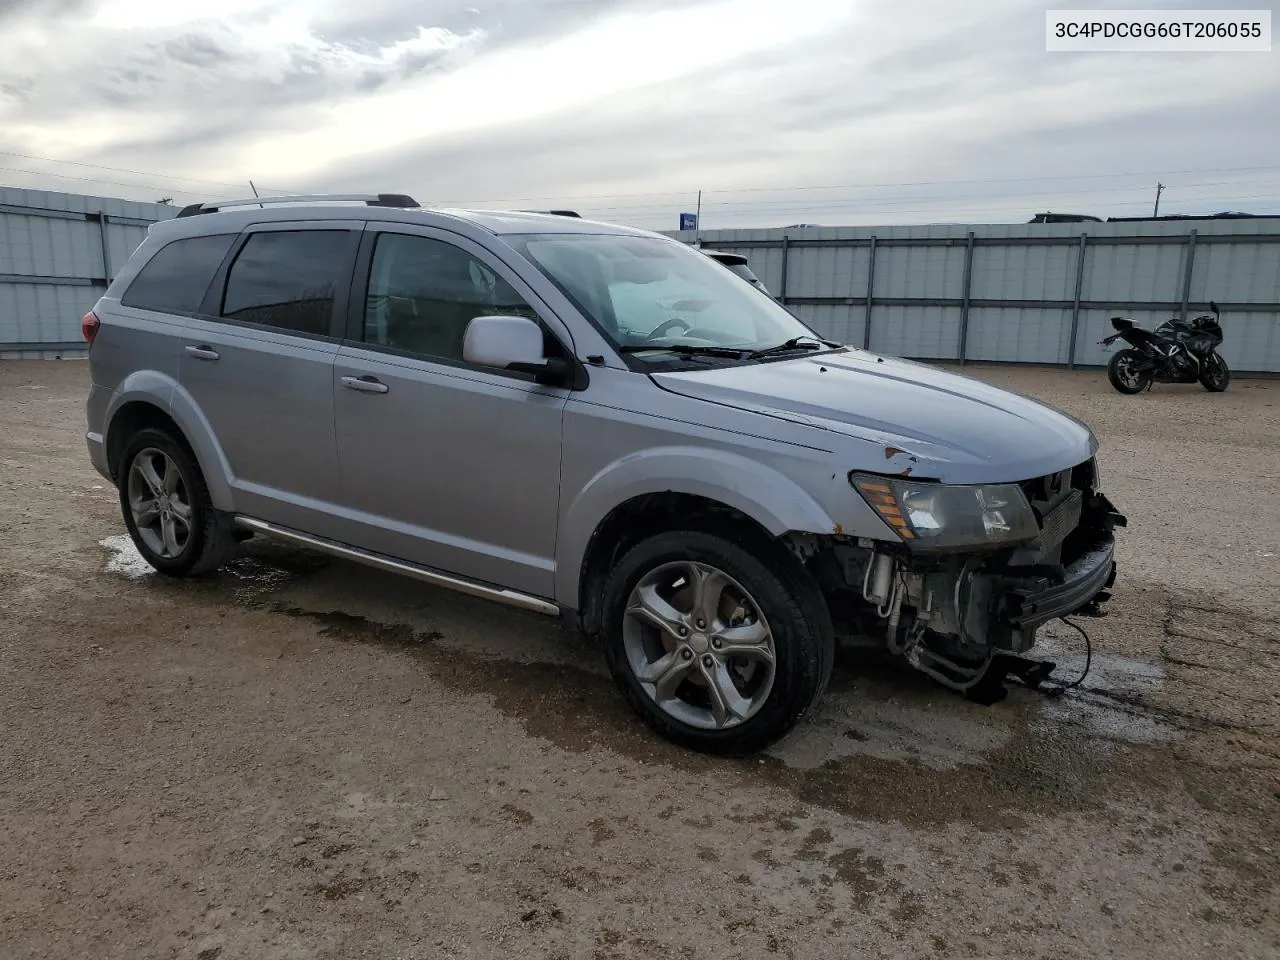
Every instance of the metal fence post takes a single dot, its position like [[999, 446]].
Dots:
[[782, 284], [1075, 306], [106, 248], [871, 289], [964, 305], [1186, 277]]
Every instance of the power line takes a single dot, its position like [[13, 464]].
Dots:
[[953, 213], [739, 209], [115, 183], [137, 173], [674, 194], [891, 207], [894, 201], [860, 186]]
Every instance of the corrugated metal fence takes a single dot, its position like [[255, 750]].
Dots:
[[1029, 293], [57, 254]]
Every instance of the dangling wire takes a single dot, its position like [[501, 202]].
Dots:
[[1057, 689]]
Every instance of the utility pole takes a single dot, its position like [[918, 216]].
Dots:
[[697, 222], [1159, 190]]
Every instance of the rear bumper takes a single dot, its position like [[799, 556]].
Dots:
[[98, 454], [95, 410], [1029, 605]]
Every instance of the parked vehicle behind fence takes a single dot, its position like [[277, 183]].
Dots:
[[739, 264], [590, 421]]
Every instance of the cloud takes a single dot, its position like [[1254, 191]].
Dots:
[[811, 110], [835, 128]]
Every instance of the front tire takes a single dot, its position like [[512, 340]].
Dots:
[[166, 507], [716, 649], [1123, 373], [1214, 375]]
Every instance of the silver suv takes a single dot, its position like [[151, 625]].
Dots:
[[590, 421]]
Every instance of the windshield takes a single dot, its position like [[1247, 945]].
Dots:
[[653, 296]]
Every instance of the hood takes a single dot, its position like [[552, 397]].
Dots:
[[923, 421]]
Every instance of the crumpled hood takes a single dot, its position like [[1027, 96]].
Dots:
[[920, 419]]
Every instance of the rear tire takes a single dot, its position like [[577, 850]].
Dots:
[[747, 650], [1122, 375], [166, 507], [1214, 375]]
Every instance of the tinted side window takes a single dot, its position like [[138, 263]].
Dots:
[[176, 278], [424, 292], [287, 279]]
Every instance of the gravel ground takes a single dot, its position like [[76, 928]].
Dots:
[[301, 758]]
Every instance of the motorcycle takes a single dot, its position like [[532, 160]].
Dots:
[[1178, 351]]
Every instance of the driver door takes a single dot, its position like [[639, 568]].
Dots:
[[445, 464]]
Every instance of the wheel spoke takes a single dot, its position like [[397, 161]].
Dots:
[[648, 606], [172, 477], [169, 534], [145, 511], [708, 588], [182, 511], [751, 640], [665, 674], [727, 704], [147, 470]]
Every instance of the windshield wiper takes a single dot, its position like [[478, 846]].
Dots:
[[688, 348], [802, 342]]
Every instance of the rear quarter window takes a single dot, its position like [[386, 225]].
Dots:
[[176, 278]]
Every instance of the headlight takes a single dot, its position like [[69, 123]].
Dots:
[[942, 515]]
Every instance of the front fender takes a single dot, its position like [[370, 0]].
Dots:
[[767, 496]]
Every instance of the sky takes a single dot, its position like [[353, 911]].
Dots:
[[837, 112]]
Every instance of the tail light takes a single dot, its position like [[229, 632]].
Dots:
[[89, 324]]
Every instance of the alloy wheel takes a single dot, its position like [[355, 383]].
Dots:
[[699, 645], [160, 503]]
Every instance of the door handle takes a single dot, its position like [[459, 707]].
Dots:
[[203, 352], [365, 384]]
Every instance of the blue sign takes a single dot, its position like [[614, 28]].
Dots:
[[688, 221]]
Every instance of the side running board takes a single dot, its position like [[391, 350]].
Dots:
[[449, 582]]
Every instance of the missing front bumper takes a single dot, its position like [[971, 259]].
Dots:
[[1030, 605]]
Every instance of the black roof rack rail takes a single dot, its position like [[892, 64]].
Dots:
[[400, 200], [557, 213]]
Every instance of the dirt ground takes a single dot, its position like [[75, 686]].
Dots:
[[301, 758]]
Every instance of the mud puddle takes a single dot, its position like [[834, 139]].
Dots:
[[917, 757], [885, 745], [1115, 700]]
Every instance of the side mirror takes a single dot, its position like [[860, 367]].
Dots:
[[510, 343], [1213, 305]]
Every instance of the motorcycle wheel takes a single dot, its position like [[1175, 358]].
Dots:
[[1214, 375], [1123, 376]]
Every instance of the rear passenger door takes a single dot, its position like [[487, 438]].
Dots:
[[258, 363], [445, 464]]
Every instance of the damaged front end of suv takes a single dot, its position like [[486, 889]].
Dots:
[[976, 569]]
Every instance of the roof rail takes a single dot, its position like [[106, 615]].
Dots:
[[556, 213], [373, 200]]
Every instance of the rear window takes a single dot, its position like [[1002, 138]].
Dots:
[[287, 279], [176, 278]]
